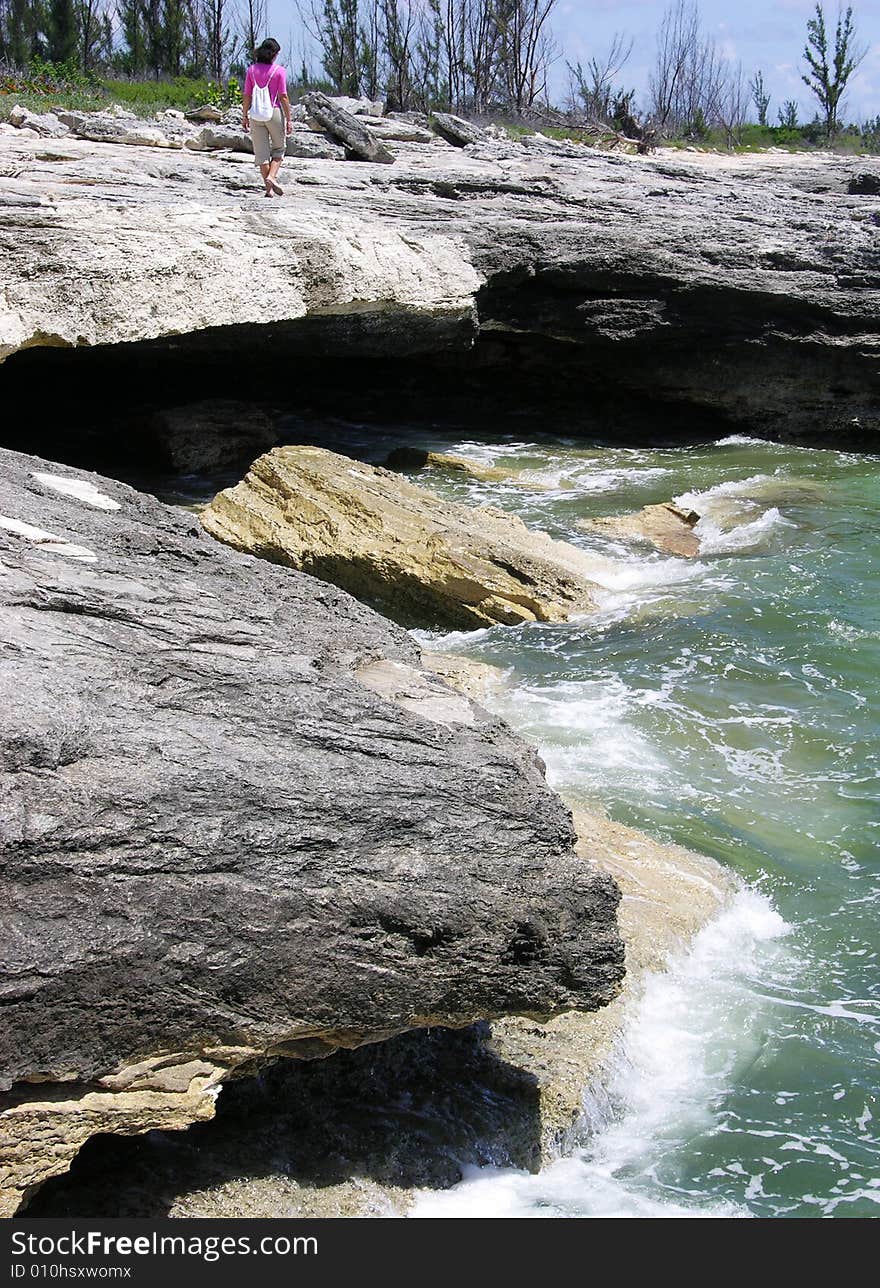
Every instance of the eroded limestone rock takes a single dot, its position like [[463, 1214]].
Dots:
[[210, 435], [695, 289], [421, 560], [359, 141], [361, 1133], [45, 124], [665, 526], [456, 130]]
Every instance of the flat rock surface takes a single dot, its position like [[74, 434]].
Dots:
[[745, 284], [239, 818], [422, 560]]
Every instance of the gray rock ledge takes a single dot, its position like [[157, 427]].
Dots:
[[219, 842]]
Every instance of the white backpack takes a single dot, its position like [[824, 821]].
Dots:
[[262, 108]]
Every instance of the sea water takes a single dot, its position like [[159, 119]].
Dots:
[[728, 703]]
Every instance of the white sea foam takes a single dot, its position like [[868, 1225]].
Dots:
[[689, 1033], [583, 730], [731, 515], [741, 440], [703, 501], [715, 540], [591, 477]]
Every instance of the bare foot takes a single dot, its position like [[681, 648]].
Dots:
[[276, 187]]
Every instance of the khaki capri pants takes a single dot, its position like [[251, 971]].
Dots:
[[268, 138]]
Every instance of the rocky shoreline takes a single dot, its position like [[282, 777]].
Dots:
[[227, 839], [503, 278], [135, 988], [363, 1133], [253, 838]]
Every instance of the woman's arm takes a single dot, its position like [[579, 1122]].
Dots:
[[285, 107], [245, 108]]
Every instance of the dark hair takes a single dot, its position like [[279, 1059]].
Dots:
[[268, 51]]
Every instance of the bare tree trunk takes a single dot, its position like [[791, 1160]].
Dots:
[[253, 25], [524, 50], [733, 102]]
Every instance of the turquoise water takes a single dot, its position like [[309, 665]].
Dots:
[[729, 703]]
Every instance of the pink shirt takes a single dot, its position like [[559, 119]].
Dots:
[[272, 75]]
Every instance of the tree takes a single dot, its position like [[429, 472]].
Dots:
[[19, 33], [95, 27], [760, 97], [592, 89], [62, 31], [219, 42], [398, 36], [254, 23], [429, 88], [689, 76], [787, 116], [197, 38], [334, 24], [732, 104], [829, 73], [131, 19], [524, 50], [172, 36], [370, 47]]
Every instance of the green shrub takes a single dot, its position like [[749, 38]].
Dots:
[[42, 78], [42, 101], [147, 97], [870, 134]]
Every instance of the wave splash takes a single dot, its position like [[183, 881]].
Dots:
[[690, 1031]]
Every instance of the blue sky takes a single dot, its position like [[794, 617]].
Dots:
[[769, 34]]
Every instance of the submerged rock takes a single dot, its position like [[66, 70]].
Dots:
[[210, 435], [476, 679], [417, 458], [665, 526], [226, 835], [421, 560]]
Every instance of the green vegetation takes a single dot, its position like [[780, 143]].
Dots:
[[148, 55], [829, 71], [795, 138], [45, 85], [146, 97]]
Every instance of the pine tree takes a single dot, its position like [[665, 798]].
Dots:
[[828, 74], [131, 20], [172, 37], [760, 97], [62, 31]]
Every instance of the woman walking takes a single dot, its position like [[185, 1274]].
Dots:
[[265, 112]]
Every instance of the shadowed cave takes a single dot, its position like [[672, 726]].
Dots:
[[402, 1114]]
